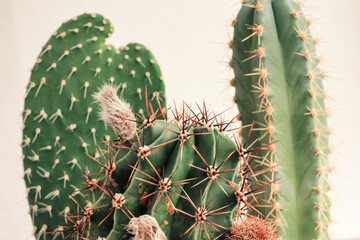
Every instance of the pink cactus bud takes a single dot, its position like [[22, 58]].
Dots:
[[251, 227]]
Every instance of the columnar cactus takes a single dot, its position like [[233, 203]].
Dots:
[[278, 83], [180, 178], [60, 117]]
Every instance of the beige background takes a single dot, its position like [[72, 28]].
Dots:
[[188, 38]]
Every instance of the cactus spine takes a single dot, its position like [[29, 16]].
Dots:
[[278, 83], [60, 117]]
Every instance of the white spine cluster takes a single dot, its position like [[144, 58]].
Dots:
[[116, 112], [145, 227]]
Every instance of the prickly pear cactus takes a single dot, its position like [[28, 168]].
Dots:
[[181, 178], [60, 118], [278, 83]]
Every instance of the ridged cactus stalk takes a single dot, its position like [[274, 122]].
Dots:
[[278, 83], [188, 177], [60, 119]]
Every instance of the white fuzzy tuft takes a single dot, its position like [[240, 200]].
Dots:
[[115, 111], [145, 227]]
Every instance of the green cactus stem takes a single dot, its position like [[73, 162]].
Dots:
[[60, 117], [186, 174], [278, 83]]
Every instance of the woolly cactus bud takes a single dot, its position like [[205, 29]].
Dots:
[[115, 111], [251, 227], [145, 227]]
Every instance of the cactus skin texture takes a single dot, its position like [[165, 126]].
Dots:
[[187, 173], [278, 83], [60, 116]]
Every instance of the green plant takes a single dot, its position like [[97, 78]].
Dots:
[[278, 83], [60, 119], [184, 177]]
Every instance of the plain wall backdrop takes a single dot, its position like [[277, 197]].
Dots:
[[189, 39]]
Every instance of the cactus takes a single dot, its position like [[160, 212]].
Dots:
[[278, 83], [60, 120], [179, 178]]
